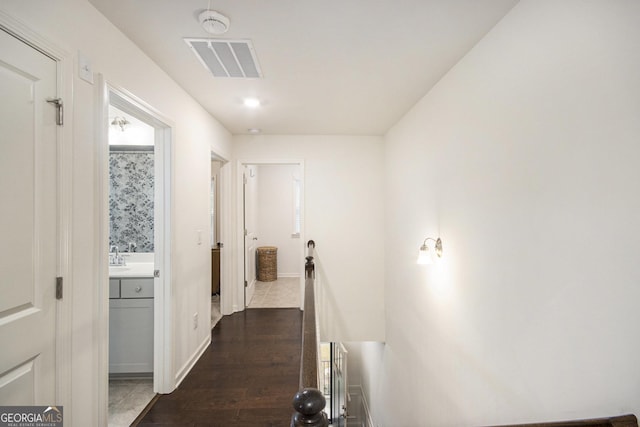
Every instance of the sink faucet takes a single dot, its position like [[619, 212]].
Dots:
[[116, 259]]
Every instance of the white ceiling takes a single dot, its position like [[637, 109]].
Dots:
[[330, 67]]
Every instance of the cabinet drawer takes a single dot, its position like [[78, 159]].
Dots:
[[136, 288], [114, 288]]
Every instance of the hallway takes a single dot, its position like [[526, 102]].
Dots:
[[247, 376]]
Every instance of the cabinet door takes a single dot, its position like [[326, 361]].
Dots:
[[131, 335], [114, 288]]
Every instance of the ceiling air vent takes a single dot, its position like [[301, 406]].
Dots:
[[226, 58]]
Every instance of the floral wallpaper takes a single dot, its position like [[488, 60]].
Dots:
[[131, 200]]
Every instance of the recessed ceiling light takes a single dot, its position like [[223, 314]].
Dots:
[[251, 102], [254, 130]]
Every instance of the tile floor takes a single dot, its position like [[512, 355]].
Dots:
[[216, 315], [127, 398], [281, 293]]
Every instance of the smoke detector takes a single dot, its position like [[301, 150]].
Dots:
[[214, 22]]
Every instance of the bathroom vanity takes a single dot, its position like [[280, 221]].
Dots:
[[131, 319]]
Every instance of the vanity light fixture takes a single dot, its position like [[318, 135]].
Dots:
[[120, 122], [426, 255]]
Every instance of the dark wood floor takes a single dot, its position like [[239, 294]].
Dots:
[[247, 376]]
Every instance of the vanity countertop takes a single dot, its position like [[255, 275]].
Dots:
[[132, 269], [138, 265]]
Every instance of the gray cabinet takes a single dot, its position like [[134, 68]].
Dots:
[[130, 325]]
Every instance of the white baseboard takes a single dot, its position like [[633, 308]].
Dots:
[[288, 275], [357, 389], [367, 412], [186, 368]]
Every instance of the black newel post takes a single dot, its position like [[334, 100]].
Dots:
[[309, 266], [309, 404]]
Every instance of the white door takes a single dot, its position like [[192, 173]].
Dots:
[[250, 235], [28, 224]]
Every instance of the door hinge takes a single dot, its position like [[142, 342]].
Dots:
[[246, 284], [244, 179], [58, 287], [246, 233], [156, 273], [59, 110]]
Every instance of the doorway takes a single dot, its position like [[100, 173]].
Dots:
[[218, 168], [135, 301], [271, 218], [131, 264]]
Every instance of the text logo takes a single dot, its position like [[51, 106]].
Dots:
[[31, 416]]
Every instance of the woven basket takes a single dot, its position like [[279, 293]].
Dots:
[[267, 263]]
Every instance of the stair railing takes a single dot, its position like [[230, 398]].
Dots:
[[308, 402]]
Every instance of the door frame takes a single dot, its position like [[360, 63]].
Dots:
[[225, 231], [64, 151], [163, 379], [239, 294], [249, 283]]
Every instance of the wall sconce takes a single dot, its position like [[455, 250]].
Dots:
[[120, 122], [427, 255]]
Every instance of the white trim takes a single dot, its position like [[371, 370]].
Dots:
[[227, 305], [357, 389], [288, 275], [186, 368], [238, 291], [296, 196], [64, 321], [163, 305], [101, 239], [163, 378]]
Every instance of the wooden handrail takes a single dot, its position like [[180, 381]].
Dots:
[[309, 402], [629, 420]]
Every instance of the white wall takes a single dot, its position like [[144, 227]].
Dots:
[[524, 159], [275, 216], [74, 25], [343, 213]]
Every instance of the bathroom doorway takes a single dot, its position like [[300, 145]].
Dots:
[[131, 265], [271, 215], [135, 241]]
